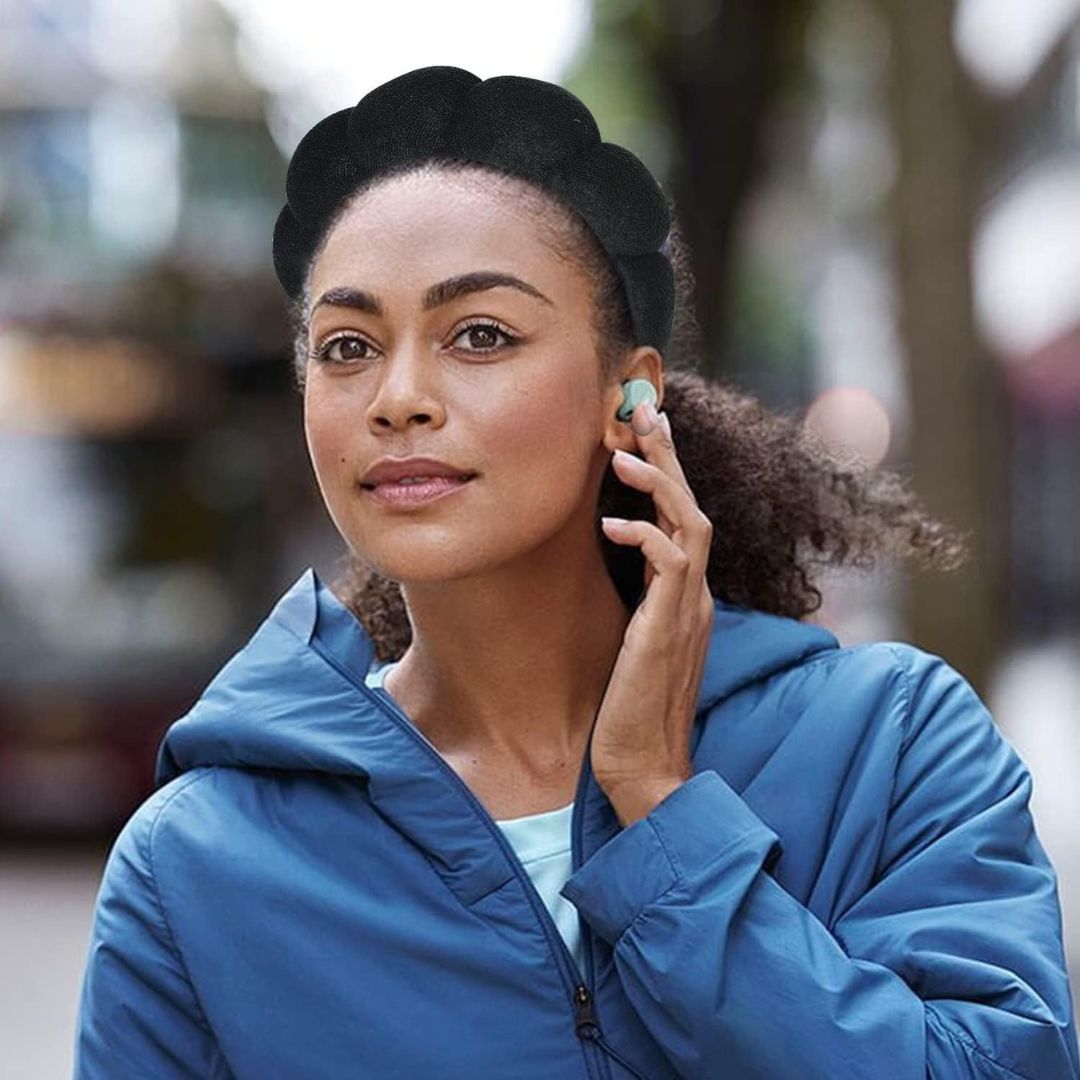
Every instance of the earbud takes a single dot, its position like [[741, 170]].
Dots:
[[635, 391]]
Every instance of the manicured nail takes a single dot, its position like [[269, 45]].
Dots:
[[648, 410]]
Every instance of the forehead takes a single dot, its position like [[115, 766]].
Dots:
[[412, 228]]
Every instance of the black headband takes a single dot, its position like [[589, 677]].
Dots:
[[530, 128]]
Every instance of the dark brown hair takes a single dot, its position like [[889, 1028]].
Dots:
[[780, 501]]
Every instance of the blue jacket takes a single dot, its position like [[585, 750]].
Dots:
[[850, 886]]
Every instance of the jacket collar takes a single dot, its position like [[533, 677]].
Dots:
[[294, 698]]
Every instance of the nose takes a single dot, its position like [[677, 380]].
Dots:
[[404, 393]]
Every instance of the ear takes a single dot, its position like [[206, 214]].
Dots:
[[644, 362]]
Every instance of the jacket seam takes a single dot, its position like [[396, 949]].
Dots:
[[676, 864], [966, 1042], [829, 652], [905, 681], [293, 634], [961, 1039], [905, 736], [681, 878], [836, 654], [174, 945], [643, 914], [668, 853]]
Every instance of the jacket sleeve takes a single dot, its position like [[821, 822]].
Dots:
[[950, 965], [138, 1014]]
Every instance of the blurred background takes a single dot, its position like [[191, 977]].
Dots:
[[883, 200]]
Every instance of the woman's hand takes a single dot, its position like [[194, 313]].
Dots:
[[641, 740]]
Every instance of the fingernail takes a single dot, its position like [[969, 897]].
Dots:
[[648, 410], [667, 424]]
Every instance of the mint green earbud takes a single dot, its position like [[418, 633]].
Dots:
[[635, 391]]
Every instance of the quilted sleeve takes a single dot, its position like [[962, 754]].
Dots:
[[138, 1015], [950, 965]]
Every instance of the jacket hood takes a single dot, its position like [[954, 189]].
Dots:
[[294, 696]]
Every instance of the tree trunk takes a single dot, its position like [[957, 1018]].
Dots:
[[959, 435], [720, 67]]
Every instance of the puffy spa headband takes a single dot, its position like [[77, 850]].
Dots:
[[530, 128]]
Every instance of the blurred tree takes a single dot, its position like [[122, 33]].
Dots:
[[691, 86], [688, 84], [960, 439]]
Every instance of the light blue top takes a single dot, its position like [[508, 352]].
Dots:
[[542, 843]]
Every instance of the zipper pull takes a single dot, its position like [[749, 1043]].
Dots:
[[586, 1019], [584, 1011]]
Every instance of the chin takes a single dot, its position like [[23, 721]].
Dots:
[[422, 562]]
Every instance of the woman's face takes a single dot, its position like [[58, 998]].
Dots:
[[502, 382]]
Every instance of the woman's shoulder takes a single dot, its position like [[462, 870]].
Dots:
[[868, 680], [135, 843], [873, 719]]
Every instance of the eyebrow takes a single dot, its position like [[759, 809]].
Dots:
[[440, 293]]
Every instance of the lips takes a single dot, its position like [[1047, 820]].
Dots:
[[420, 480], [414, 495], [394, 470]]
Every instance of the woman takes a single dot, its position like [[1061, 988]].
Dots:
[[535, 797]]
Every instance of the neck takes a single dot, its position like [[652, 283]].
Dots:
[[513, 664]]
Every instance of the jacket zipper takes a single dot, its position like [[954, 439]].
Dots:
[[588, 1028], [586, 1019], [585, 1024]]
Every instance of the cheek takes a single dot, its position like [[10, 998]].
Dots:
[[541, 453], [328, 431], [531, 428]]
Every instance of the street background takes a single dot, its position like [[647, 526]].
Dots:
[[883, 202]]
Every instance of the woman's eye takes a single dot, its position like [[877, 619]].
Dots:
[[484, 336], [350, 349]]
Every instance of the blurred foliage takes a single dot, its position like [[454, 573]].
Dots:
[[691, 86]]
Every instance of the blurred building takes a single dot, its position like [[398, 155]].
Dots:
[[151, 459]]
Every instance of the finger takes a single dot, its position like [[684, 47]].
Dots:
[[659, 447], [670, 564], [633, 471], [688, 527]]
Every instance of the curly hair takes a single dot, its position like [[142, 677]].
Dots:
[[780, 502]]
